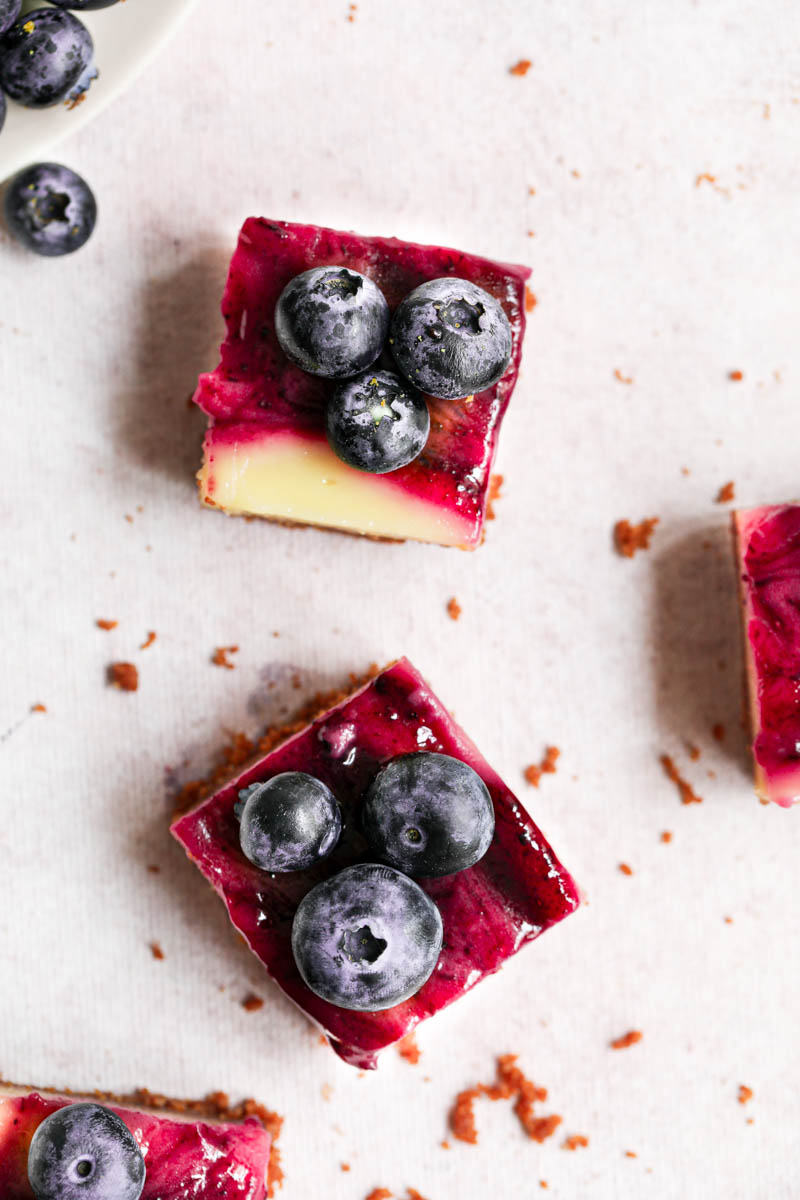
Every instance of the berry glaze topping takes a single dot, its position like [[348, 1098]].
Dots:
[[184, 1160], [256, 390], [769, 559], [516, 891]]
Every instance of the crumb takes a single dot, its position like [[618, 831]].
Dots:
[[685, 471], [736, 376], [151, 637], [547, 766], [625, 869], [380, 1194], [521, 68], [413, 1194], [510, 1083], [445, 1144], [156, 951], [351, 16], [705, 178], [694, 752], [326, 1091], [220, 656], [409, 1050], [73, 103], [543, 1183], [38, 708], [767, 112], [297, 681], [124, 675], [530, 300], [575, 174], [453, 609], [345, 1166], [323, 1041], [729, 920], [628, 1039], [725, 493], [531, 191], [493, 494], [102, 623], [252, 1002], [154, 868], [666, 836], [574, 1141], [531, 233], [687, 793], [750, 1120], [631, 1154], [630, 538], [620, 378], [718, 731], [745, 1093], [129, 518]]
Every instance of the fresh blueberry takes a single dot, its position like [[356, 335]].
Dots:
[[83, 5], [377, 422], [451, 338], [289, 823], [9, 11], [46, 56], [332, 321], [50, 209], [85, 1152], [428, 814], [367, 938]]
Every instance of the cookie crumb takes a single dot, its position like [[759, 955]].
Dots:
[[124, 675], [547, 766], [380, 1194], [620, 378], [726, 493], [344, 1166], [718, 731], [631, 1154], [154, 868], [39, 708], [102, 623], [252, 1002], [220, 656], [694, 752], [687, 793], [705, 178], [629, 538], [625, 869], [666, 836], [510, 1084], [628, 1039], [728, 920], [543, 1183], [156, 951], [453, 609], [151, 637], [413, 1194], [736, 376], [409, 1050], [445, 1144], [574, 1141], [745, 1093], [521, 68], [530, 300]]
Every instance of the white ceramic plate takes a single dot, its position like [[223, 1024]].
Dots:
[[126, 37]]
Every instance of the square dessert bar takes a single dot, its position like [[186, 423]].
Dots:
[[200, 1149], [767, 548], [266, 453], [515, 892]]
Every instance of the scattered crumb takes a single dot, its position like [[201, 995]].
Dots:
[[530, 300], [413, 1194], [492, 495], [547, 766], [345, 1166], [685, 471], [767, 112], [154, 868], [453, 609], [521, 68], [575, 173], [694, 752], [736, 376], [625, 869], [745, 1093], [409, 1050], [510, 1083], [326, 1091], [718, 731], [252, 1002], [705, 178], [220, 656], [725, 493], [631, 1154], [351, 16], [124, 675], [129, 518], [630, 538], [102, 623], [38, 708], [620, 378], [574, 1141], [729, 920], [380, 1194], [445, 1144], [628, 1039], [156, 951], [531, 233], [687, 793], [543, 1183], [531, 191], [151, 637], [750, 1120], [666, 836]]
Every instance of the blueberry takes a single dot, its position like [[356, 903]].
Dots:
[[85, 1152], [289, 823], [332, 321], [50, 209], [46, 56], [428, 814], [367, 938], [9, 11], [451, 338], [83, 5], [377, 422]]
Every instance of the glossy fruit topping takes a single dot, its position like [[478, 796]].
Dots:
[[367, 938], [85, 1152], [50, 209], [377, 422], [451, 338], [331, 321], [289, 823], [428, 815], [46, 56]]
